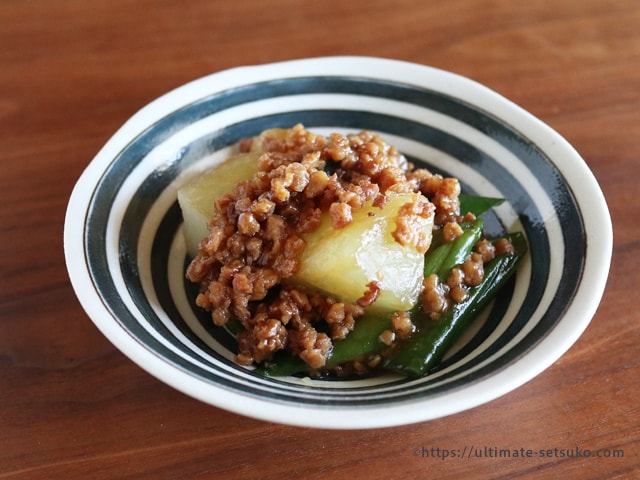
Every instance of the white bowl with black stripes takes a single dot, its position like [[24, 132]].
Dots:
[[126, 256]]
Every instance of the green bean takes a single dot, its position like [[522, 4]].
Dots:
[[363, 340], [441, 259], [468, 204], [425, 349]]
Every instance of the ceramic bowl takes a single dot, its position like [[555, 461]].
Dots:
[[126, 255]]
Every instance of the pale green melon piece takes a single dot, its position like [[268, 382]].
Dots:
[[257, 145], [338, 262], [197, 198], [342, 262]]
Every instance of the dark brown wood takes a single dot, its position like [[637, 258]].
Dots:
[[72, 406]]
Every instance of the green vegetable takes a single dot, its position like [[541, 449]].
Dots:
[[365, 337], [363, 340], [418, 354], [425, 348], [477, 205], [442, 257], [233, 326]]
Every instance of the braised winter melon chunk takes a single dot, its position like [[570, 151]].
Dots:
[[342, 262], [197, 198]]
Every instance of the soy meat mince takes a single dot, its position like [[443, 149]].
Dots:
[[333, 253]]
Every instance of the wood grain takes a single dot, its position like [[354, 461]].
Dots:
[[72, 406]]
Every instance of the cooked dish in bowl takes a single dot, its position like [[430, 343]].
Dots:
[[127, 256], [334, 254]]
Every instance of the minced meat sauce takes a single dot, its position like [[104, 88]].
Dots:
[[255, 241]]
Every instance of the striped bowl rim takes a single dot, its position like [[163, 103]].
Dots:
[[126, 256]]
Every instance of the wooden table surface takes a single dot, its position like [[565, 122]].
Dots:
[[72, 406]]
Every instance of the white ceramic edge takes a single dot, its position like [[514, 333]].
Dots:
[[556, 343]]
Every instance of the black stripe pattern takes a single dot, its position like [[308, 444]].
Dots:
[[133, 220]]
